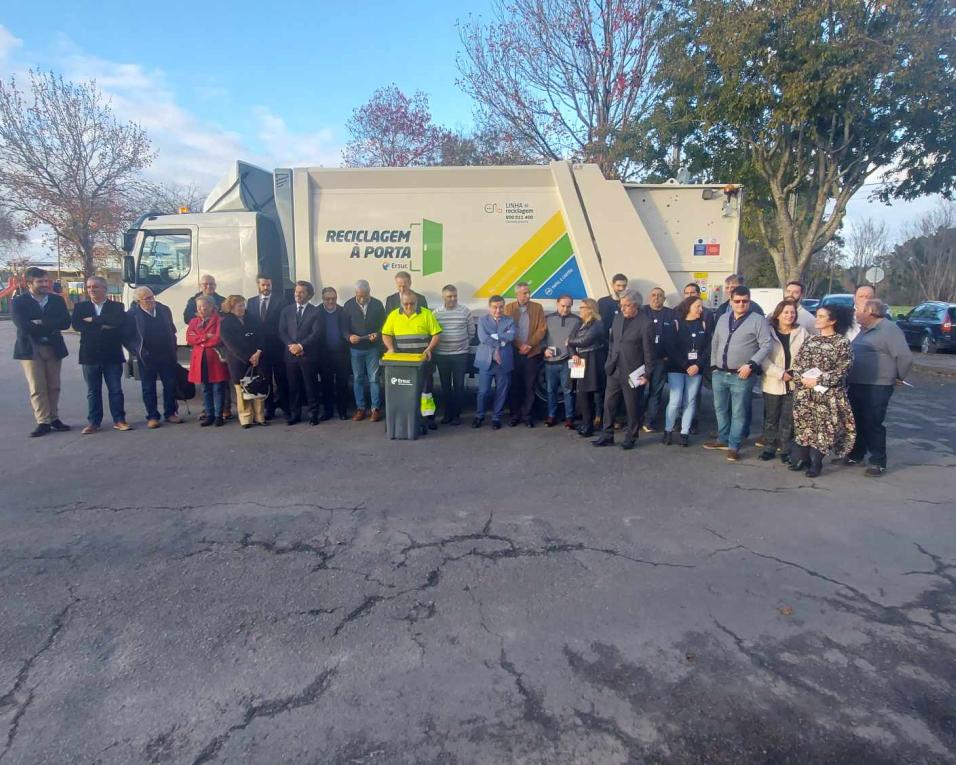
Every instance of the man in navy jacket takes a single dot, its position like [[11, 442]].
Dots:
[[300, 327], [102, 327], [40, 317]]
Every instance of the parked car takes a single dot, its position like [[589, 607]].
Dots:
[[810, 304], [929, 326], [837, 298]]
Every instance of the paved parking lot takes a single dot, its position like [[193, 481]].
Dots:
[[322, 595]]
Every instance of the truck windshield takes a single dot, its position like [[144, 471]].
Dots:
[[165, 259]]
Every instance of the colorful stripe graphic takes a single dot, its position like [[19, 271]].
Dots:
[[523, 260]]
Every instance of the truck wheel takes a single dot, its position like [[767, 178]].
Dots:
[[927, 345]]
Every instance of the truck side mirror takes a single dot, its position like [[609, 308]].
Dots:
[[129, 240], [129, 269]]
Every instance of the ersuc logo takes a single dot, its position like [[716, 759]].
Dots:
[[493, 208], [400, 381]]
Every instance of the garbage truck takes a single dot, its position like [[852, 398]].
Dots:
[[562, 228]]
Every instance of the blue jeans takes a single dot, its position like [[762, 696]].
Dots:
[[95, 375], [558, 378], [214, 398], [365, 364], [502, 382], [166, 372], [683, 390], [732, 405]]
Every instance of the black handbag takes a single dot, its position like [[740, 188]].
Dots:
[[185, 390]]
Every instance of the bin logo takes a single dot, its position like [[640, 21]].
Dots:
[[400, 381], [392, 247]]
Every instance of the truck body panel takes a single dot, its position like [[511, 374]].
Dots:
[[561, 227]]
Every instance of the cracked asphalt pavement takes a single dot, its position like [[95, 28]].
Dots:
[[323, 595]]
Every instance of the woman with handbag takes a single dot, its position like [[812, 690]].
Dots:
[[778, 383], [205, 364], [588, 346], [243, 350]]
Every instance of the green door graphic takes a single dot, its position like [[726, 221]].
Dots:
[[431, 247]]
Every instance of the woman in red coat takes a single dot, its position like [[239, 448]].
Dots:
[[205, 367]]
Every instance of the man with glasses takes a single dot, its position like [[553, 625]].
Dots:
[[741, 341], [153, 343], [413, 329], [101, 324], [730, 284], [207, 287]]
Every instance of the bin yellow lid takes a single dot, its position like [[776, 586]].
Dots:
[[403, 357]]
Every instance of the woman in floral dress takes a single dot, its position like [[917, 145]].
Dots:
[[822, 418]]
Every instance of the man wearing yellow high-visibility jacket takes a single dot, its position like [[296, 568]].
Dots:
[[411, 329]]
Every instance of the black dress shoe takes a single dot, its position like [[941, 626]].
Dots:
[[585, 431], [515, 421], [666, 439], [446, 420], [628, 445], [40, 430], [455, 421], [219, 422], [247, 426], [785, 458], [343, 415], [684, 440], [604, 440], [476, 423], [293, 421], [766, 456], [496, 424], [799, 465], [313, 421], [432, 423], [59, 426], [326, 416], [530, 423], [205, 422], [270, 415]]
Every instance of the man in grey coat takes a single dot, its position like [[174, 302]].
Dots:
[[741, 342], [881, 361]]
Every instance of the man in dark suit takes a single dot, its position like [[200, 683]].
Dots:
[[632, 347], [262, 314], [300, 329], [40, 318], [102, 327], [403, 282], [659, 315]]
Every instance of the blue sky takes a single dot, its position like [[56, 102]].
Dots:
[[272, 83]]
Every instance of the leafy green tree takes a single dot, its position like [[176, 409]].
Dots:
[[804, 103]]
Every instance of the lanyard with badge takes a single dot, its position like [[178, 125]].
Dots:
[[692, 353]]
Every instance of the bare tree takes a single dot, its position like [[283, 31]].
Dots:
[[926, 261], [68, 163], [866, 244], [165, 197], [568, 77], [12, 234]]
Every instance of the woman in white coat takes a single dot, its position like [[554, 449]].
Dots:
[[787, 337]]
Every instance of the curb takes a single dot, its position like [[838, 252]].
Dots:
[[934, 370]]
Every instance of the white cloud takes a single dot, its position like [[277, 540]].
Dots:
[[8, 43], [289, 149]]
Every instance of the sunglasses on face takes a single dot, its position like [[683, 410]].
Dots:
[[742, 302]]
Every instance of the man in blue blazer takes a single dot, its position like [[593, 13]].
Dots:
[[40, 317], [494, 360]]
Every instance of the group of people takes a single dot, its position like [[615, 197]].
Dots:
[[826, 380]]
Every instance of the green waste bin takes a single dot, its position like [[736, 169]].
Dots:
[[404, 381]]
